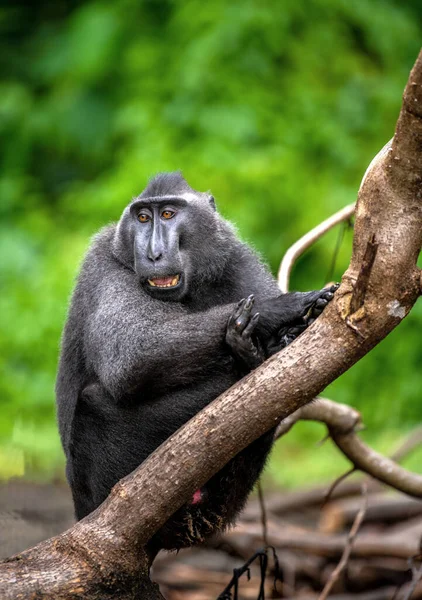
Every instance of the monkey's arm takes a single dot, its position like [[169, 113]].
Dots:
[[289, 310], [140, 346], [132, 340], [242, 328], [137, 347]]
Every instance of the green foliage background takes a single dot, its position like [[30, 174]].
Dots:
[[277, 107]]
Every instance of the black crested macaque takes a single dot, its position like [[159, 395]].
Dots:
[[169, 311]]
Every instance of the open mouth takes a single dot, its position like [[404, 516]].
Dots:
[[165, 282]]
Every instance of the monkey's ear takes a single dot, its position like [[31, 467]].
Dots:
[[212, 202]]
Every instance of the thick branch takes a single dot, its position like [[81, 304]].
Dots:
[[390, 206]]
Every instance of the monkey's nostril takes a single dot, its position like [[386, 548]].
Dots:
[[155, 256]]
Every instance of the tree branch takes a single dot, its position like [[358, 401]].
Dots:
[[306, 241], [343, 422]]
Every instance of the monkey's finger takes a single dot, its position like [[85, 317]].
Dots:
[[318, 307], [296, 330], [243, 318], [286, 340], [237, 312], [249, 329], [239, 308], [333, 288], [249, 302], [322, 302], [293, 329], [247, 308]]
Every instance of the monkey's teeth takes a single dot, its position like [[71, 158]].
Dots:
[[172, 283]]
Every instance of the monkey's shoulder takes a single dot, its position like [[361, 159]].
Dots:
[[100, 269]]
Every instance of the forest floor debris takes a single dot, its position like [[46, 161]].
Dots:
[[384, 562]]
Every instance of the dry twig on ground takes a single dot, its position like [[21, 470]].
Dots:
[[348, 548]]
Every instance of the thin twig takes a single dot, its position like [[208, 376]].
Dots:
[[307, 240], [416, 577], [263, 514], [335, 483], [410, 443], [330, 273], [348, 548]]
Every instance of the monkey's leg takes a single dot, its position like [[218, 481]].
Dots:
[[239, 335]]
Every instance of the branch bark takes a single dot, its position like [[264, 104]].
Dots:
[[103, 555]]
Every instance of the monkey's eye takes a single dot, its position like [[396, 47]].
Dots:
[[168, 214], [143, 217]]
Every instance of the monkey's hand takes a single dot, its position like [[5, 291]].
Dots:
[[286, 335], [240, 335], [287, 310], [316, 309]]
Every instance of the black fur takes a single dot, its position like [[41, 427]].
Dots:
[[138, 361]]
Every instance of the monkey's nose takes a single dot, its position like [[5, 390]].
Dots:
[[154, 255]]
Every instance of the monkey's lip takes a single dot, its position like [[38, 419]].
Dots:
[[165, 282]]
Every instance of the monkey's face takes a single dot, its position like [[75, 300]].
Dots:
[[168, 234]]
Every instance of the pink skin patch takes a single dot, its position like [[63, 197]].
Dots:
[[197, 497]]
